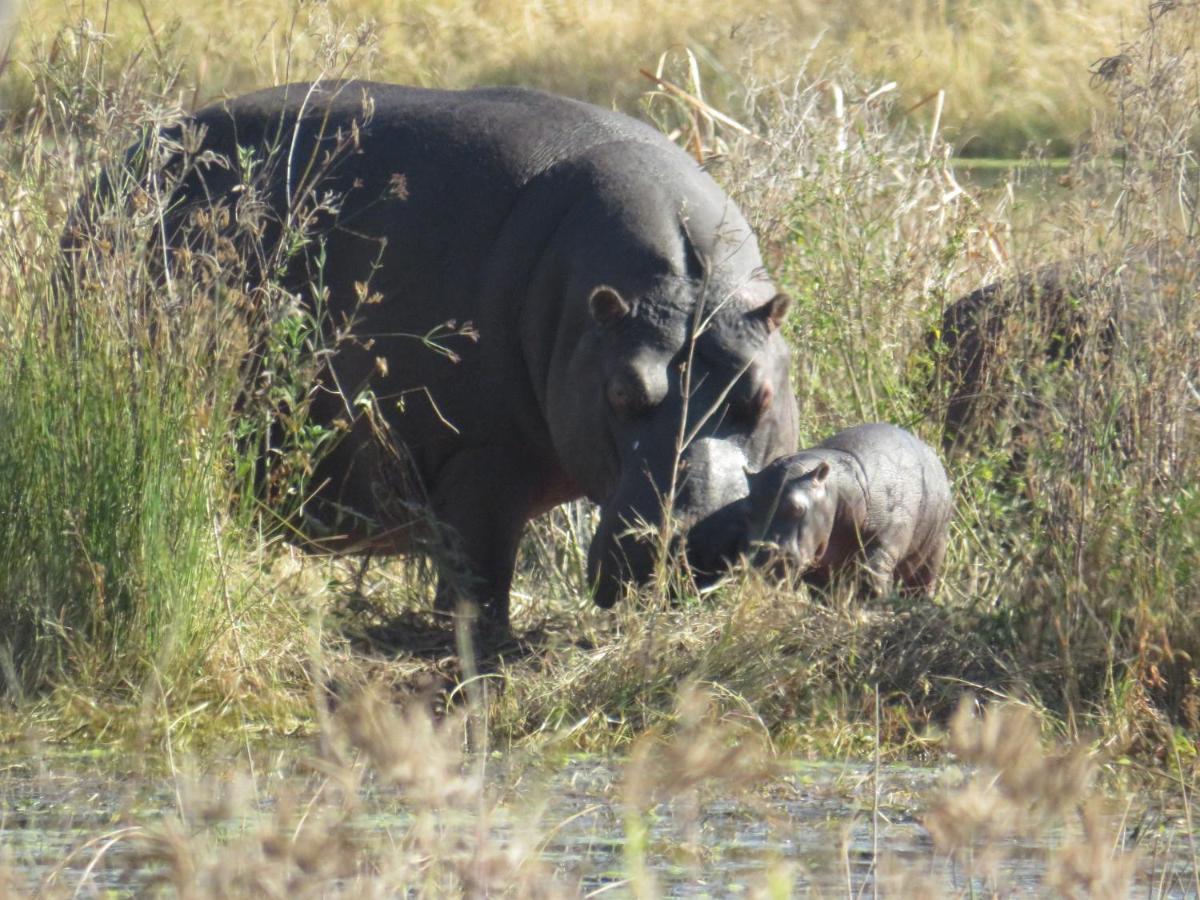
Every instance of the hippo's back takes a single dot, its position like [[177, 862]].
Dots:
[[876, 443], [430, 188], [508, 133], [903, 476]]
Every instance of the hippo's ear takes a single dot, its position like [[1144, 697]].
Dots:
[[607, 305], [775, 310], [820, 473]]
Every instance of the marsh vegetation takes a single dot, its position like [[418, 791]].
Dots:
[[150, 600]]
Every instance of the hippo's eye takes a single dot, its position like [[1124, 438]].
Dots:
[[756, 398]]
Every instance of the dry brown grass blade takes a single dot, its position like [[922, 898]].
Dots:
[[1017, 789], [700, 106]]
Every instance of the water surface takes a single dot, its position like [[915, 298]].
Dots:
[[68, 817]]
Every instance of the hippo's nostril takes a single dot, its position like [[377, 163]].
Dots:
[[618, 395], [628, 394], [756, 402]]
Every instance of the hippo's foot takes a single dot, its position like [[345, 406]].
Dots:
[[878, 572], [920, 584]]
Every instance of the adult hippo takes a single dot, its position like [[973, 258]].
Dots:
[[618, 298]]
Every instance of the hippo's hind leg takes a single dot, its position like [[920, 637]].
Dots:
[[920, 580], [482, 501]]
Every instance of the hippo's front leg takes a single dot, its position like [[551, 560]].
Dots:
[[878, 570], [482, 498]]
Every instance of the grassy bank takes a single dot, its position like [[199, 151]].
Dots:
[[149, 603], [135, 563]]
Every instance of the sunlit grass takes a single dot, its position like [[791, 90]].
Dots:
[[1014, 71], [1055, 585]]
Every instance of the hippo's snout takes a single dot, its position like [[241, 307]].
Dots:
[[625, 550], [621, 554], [780, 563]]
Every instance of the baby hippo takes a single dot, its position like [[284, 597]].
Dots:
[[872, 494]]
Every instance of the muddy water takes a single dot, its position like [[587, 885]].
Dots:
[[66, 818]]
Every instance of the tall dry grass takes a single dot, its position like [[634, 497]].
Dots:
[[111, 452], [1014, 71], [1071, 579], [138, 415]]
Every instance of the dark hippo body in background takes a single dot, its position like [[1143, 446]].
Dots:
[[973, 327], [872, 493], [988, 334], [1000, 348], [582, 246]]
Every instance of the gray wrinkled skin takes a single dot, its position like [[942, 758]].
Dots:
[[872, 495], [581, 245]]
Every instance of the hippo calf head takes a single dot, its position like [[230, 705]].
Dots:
[[789, 515], [690, 393]]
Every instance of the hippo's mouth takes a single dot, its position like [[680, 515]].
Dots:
[[622, 554], [629, 541]]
